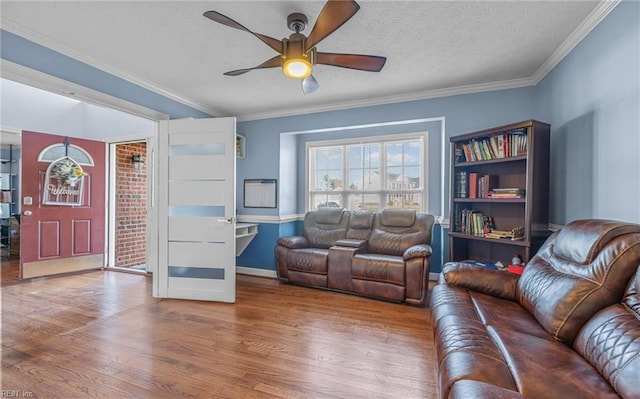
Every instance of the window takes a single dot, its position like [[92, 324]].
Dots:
[[57, 151], [369, 174]]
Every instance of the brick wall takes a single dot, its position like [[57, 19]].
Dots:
[[131, 206]]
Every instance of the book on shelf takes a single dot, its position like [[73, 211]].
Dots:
[[506, 193], [473, 185], [480, 263], [514, 234], [461, 185], [512, 143], [481, 185]]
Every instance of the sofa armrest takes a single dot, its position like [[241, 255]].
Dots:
[[478, 389], [351, 243], [293, 242], [417, 251], [476, 278]]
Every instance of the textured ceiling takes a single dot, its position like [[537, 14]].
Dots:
[[431, 47]]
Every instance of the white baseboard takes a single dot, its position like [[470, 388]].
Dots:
[[434, 276], [252, 271]]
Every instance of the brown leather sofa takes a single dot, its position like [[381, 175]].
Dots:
[[381, 254], [568, 327]]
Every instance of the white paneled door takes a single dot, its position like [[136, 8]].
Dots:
[[196, 210]]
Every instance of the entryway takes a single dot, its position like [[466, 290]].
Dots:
[[128, 212], [35, 109]]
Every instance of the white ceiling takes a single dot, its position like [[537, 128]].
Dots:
[[433, 48]]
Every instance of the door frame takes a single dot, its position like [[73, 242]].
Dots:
[[111, 200]]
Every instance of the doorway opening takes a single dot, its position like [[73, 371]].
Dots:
[[128, 238]]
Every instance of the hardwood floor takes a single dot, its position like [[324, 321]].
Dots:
[[102, 335]]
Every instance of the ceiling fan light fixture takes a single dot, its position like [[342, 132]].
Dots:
[[296, 68]]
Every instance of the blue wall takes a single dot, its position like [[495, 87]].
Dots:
[[592, 101], [462, 114]]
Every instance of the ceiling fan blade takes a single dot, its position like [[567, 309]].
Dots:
[[333, 15], [310, 85], [270, 63], [371, 63], [224, 20]]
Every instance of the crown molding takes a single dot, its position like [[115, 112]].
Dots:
[[420, 95], [593, 19], [38, 38]]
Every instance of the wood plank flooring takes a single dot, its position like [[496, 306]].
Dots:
[[102, 335]]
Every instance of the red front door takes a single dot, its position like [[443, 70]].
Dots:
[[60, 238]]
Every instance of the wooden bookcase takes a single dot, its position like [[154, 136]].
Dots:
[[523, 166]]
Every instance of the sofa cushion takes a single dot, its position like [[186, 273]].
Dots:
[[563, 294], [394, 237], [610, 342], [308, 260], [329, 215], [360, 224], [582, 240], [375, 267], [465, 350], [322, 228], [484, 338], [547, 369], [397, 217]]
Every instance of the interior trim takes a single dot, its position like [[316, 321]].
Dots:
[[253, 271], [593, 19], [31, 77], [47, 42], [58, 266]]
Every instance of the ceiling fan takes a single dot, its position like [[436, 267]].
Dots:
[[297, 54]]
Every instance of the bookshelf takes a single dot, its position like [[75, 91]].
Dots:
[[499, 188], [8, 195]]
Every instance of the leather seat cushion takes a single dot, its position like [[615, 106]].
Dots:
[[381, 268], [549, 369], [496, 341], [610, 341], [308, 260]]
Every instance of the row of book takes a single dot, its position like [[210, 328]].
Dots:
[[480, 186], [477, 185], [469, 221], [473, 222], [503, 145]]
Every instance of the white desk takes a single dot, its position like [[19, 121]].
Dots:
[[244, 234]]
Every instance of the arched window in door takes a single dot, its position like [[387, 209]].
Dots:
[[57, 151]]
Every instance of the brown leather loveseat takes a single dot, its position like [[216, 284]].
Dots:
[[568, 327], [381, 254]]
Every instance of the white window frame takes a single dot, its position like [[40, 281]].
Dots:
[[382, 139]]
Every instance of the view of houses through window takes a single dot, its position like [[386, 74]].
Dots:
[[369, 174]]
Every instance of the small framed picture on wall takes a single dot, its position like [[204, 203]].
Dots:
[[241, 146]]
